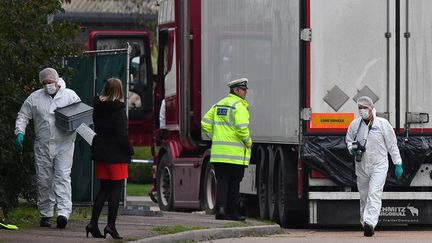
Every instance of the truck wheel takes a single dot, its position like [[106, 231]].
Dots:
[[289, 213], [262, 190], [282, 188], [164, 183], [271, 187], [208, 196]]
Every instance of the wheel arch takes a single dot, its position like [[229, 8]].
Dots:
[[204, 163]]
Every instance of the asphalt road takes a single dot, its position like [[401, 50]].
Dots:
[[393, 235]]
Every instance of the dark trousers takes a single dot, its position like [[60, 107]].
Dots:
[[228, 178]]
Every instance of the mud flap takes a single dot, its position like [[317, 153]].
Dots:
[[347, 212]]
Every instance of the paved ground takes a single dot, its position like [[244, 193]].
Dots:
[[387, 235], [138, 222], [141, 228]]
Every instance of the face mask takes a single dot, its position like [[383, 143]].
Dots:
[[364, 113], [50, 88]]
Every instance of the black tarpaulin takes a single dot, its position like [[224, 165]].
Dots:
[[329, 155]]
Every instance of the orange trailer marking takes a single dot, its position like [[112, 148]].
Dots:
[[331, 120]]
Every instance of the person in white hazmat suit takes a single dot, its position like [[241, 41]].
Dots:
[[53, 147], [370, 139]]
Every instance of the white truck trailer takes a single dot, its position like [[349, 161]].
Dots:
[[307, 62]]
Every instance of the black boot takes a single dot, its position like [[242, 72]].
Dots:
[[61, 222], [45, 222], [113, 232], [368, 230], [220, 213], [94, 231]]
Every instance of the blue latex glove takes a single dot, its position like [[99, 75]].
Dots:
[[353, 151], [19, 141], [398, 171]]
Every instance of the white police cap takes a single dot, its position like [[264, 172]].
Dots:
[[241, 82]]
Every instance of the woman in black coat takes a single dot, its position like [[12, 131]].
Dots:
[[111, 152]]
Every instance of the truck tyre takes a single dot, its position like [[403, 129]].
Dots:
[[164, 183], [289, 213], [284, 181], [208, 193], [262, 190], [271, 186]]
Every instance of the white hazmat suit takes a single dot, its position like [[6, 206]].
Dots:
[[371, 171], [162, 121], [53, 147]]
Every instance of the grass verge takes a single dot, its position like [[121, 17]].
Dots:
[[138, 189], [27, 215], [163, 230]]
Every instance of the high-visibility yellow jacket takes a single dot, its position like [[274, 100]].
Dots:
[[227, 125]]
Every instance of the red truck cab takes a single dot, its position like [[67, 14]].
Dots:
[[141, 79]]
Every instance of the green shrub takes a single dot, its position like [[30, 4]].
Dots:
[[27, 44], [140, 173], [142, 153]]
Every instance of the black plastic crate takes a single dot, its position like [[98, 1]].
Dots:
[[72, 116]]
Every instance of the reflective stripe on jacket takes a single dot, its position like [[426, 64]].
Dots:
[[227, 125]]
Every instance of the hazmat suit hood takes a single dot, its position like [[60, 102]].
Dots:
[[374, 113], [62, 84]]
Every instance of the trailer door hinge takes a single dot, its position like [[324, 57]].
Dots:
[[306, 114], [387, 35], [306, 34]]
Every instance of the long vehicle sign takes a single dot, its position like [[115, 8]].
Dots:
[[331, 120]]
